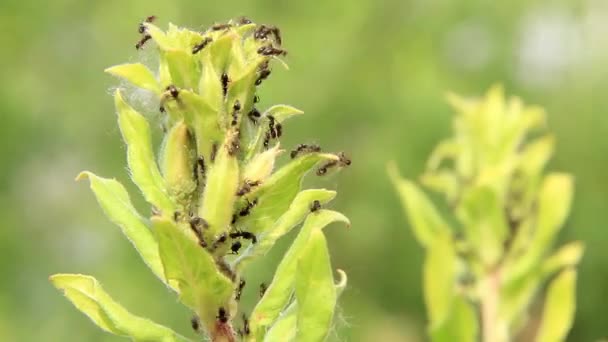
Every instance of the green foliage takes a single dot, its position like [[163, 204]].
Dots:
[[212, 189], [496, 258]]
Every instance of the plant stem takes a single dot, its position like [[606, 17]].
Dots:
[[493, 328]]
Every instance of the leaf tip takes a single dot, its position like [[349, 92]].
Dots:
[[83, 176]]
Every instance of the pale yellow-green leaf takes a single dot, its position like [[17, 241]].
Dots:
[[460, 325], [137, 74], [439, 278], [559, 309], [282, 112]]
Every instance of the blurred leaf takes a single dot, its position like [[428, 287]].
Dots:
[[568, 255], [439, 277], [315, 290], [535, 154], [281, 289], [220, 191], [560, 305], [144, 171], [424, 218], [553, 206], [285, 327], [116, 204], [90, 298], [137, 74], [298, 210], [202, 287], [482, 215], [460, 325]]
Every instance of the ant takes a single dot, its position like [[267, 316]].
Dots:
[[196, 223], [225, 269], [222, 316], [239, 290], [176, 216], [235, 247], [244, 235], [303, 148], [246, 188], [234, 146], [271, 127], [266, 140], [342, 161], [218, 27], [245, 211], [173, 92], [262, 289], [316, 205], [219, 241], [245, 331], [213, 152], [225, 80], [264, 73], [256, 99], [263, 31], [269, 50], [142, 29], [243, 21], [198, 47], [195, 322], [235, 113], [200, 165], [254, 115]]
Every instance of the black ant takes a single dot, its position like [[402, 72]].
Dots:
[[263, 31], [271, 127], [222, 316], [256, 99], [235, 247], [219, 241], [244, 235], [213, 152], [234, 145], [303, 148], [246, 188], [200, 165], [218, 27], [254, 115], [266, 140], [245, 211], [264, 73], [245, 331], [173, 92], [278, 129], [262, 289], [316, 205], [176, 216], [195, 322], [243, 21], [225, 80], [342, 161], [235, 112], [239, 290], [142, 29], [198, 47], [197, 224], [269, 50]]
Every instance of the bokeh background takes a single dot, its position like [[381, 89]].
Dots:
[[371, 76]]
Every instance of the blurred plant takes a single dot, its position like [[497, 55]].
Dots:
[[483, 271], [216, 202]]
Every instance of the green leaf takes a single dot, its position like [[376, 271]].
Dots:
[[439, 278], [299, 208], [138, 74], [568, 255], [159, 37], [461, 324], [282, 112], [424, 218], [278, 191], [315, 290], [554, 202], [202, 287], [560, 305], [285, 328], [204, 119], [116, 204], [280, 290], [220, 192], [482, 215], [144, 170], [89, 297], [182, 66]]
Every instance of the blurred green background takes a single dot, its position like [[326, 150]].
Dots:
[[371, 76]]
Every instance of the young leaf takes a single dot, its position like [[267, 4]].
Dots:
[[559, 309], [116, 204], [460, 325], [280, 290], [138, 74], [299, 208], [285, 327], [568, 255], [424, 218], [315, 290], [282, 112], [276, 193], [439, 276], [89, 297], [144, 171], [202, 287]]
